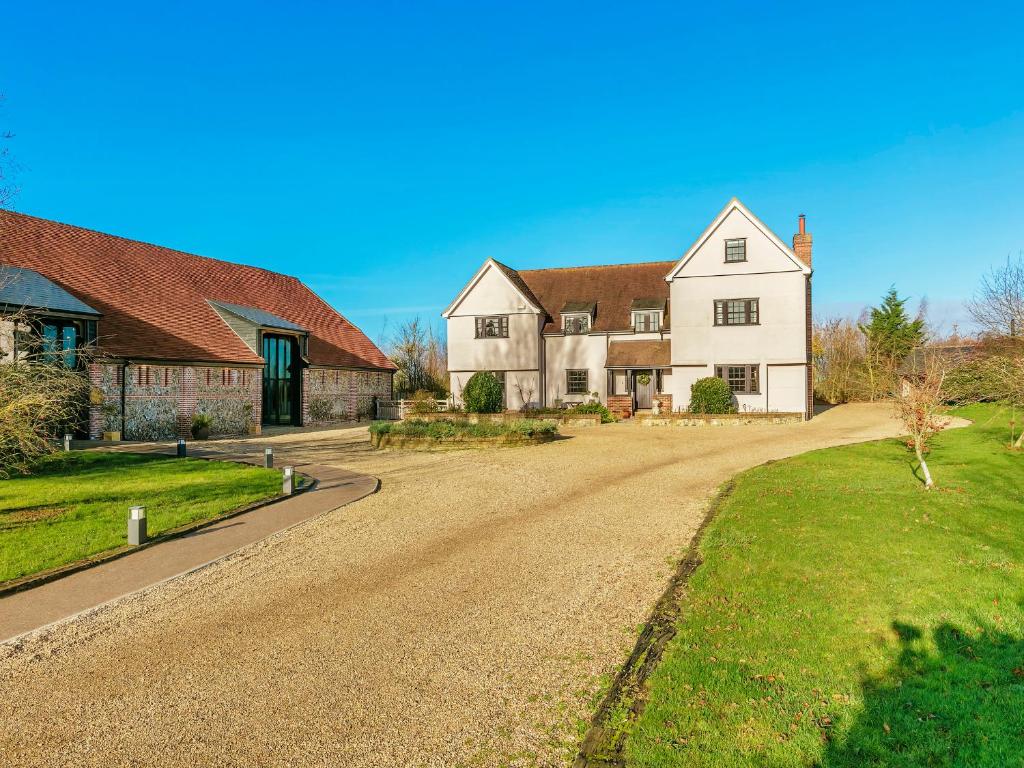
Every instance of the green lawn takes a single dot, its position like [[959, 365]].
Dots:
[[846, 617], [76, 504]]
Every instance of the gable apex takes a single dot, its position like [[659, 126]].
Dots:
[[735, 205], [510, 276]]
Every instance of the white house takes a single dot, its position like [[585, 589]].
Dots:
[[736, 305]]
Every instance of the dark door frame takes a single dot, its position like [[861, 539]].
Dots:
[[272, 395]]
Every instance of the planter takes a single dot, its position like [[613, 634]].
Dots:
[[407, 442], [201, 433], [112, 437], [716, 419], [569, 419]]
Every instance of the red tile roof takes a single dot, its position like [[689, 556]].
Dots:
[[154, 299], [613, 288]]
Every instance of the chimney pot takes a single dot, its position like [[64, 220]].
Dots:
[[803, 224]]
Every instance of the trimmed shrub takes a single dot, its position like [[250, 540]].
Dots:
[[600, 410], [711, 395], [482, 393]]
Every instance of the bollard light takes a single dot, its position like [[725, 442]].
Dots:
[[289, 481], [137, 526], [181, 448], [67, 443], [268, 458]]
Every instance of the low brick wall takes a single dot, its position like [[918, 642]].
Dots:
[[387, 440], [621, 406], [717, 420], [567, 419], [665, 403]]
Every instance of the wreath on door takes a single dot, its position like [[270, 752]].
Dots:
[[643, 379]]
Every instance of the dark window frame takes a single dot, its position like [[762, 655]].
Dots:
[[743, 250], [652, 315], [569, 381], [747, 373], [481, 326], [751, 311], [569, 320]]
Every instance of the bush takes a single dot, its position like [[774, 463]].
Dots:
[[39, 402], [710, 395], [455, 428], [424, 402], [482, 393], [200, 422], [602, 411]]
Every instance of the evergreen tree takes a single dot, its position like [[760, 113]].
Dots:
[[890, 335]]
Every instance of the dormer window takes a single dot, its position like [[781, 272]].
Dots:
[[647, 315], [575, 324], [646, 322], [735, 250], [577, 316]]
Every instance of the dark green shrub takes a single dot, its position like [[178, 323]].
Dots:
[[455, 428], [600, 410], [482, 393], [710, 395]]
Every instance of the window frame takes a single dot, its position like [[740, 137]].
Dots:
[[751, 309], [572, 317], [730, 240], [655, 314], [751, 377], [569, 381], [480, 326]]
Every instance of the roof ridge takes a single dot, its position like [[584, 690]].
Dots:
[[143, 242], [600, 266]]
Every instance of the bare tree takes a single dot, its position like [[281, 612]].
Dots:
[[998, 304], [421, 356], [7, 168], [525, 391], [43, 392], [839, 353], [920, 403]]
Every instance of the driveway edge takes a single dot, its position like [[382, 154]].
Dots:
[[603, 742]]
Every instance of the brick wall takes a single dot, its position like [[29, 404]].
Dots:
[[104, 399], [666, 402], [621, 406], [333, 395]]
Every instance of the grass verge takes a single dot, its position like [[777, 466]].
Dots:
[[843, 616], [75, 505]]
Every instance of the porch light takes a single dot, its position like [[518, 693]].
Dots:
[[288, 485], [268, 458], [137, 526]]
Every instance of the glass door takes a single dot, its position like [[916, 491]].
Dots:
[[281, 380]]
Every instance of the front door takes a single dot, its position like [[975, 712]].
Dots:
[[643, 387], [281, 380]]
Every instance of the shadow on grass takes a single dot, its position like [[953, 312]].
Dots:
[[957, 703]]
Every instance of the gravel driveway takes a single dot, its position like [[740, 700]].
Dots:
[[465, 615]]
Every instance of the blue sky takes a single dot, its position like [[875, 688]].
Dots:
[[381, 151]]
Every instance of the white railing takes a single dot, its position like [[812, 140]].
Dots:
[[399, 409]]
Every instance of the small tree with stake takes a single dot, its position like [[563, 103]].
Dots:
[[920, 404]]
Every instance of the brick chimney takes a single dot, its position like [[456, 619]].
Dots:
[[802, 241]]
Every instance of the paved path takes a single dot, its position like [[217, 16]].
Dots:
[[35, 608], [464, 615]]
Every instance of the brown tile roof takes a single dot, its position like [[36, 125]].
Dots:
[[613, 288], [639, 354], [153, 300]]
